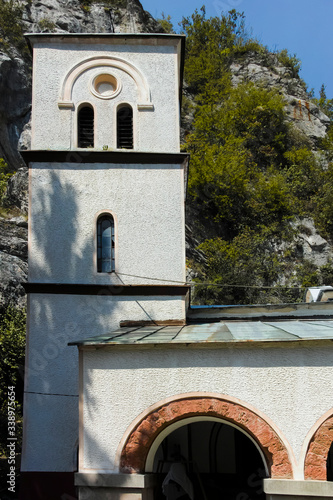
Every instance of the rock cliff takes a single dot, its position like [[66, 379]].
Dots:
[[74, 16], [267, 70], [61, 16], [307, 118]]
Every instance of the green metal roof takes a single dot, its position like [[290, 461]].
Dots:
[[222, 332]]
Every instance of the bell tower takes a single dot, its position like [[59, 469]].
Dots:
[[106, 221]]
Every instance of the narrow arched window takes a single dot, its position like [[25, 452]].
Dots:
[[125, 127], [85, 127], [105, 244]]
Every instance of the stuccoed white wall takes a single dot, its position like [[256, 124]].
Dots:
[[157, 130], [280, 382], [148, 205], [51, 379]]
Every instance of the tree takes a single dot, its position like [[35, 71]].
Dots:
[[165, 22], [12, 350], [251, 171], [211, 45]]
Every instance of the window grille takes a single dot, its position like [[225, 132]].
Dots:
[[125, 127], [86, 127], [105, 244]]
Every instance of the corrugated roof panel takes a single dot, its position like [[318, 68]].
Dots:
[[209, 332], [257, 330], [328, 324], [305, 329], [131, 337], [164, 335], [233, 331]]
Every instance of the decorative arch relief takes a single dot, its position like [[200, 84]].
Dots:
[[144, 95], [140, 438]]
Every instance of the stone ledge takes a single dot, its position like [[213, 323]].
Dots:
[[298, 488], [99, 480]]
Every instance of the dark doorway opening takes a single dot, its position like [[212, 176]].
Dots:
[[218, 460], [329, 464]]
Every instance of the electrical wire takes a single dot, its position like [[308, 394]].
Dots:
[[51, 394], [215, 284]]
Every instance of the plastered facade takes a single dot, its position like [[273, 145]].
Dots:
[[144, 197], [146, 201], [147, 70], [51, 383], [281, 383], [98, 402]]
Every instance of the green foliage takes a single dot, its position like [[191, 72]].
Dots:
[[252, 172], [249, 112], [307, 274], [326, 105], [326, 272], [12, 349], [244, 266], [11, 28], [165, 22], [324, 203], [238, 150], [4, 177], [211, 45], [46, 25], [327, 144], [290, 61], [304, 176]]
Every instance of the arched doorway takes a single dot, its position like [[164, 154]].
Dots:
[[318, 463], [209, 458], [137, 450]]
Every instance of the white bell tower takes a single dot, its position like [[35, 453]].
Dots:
[[106, 221]]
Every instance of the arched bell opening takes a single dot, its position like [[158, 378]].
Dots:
[[85, 126], [208, 459]]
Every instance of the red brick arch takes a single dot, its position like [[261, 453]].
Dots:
[[316, 456], [135, 450]]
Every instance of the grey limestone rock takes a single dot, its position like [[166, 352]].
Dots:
[[269, 72], [62, 16], [99, 17], [13, 272], [25, 137], [313, 246], [307, 117], [15, 105], [13, 237], [13, 261], [267, 69], [125, 16]]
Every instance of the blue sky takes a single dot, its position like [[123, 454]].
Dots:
[[304, 27]]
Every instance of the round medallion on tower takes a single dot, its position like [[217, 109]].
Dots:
[[105, 86]]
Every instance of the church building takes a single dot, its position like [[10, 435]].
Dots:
[[131, 393]]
